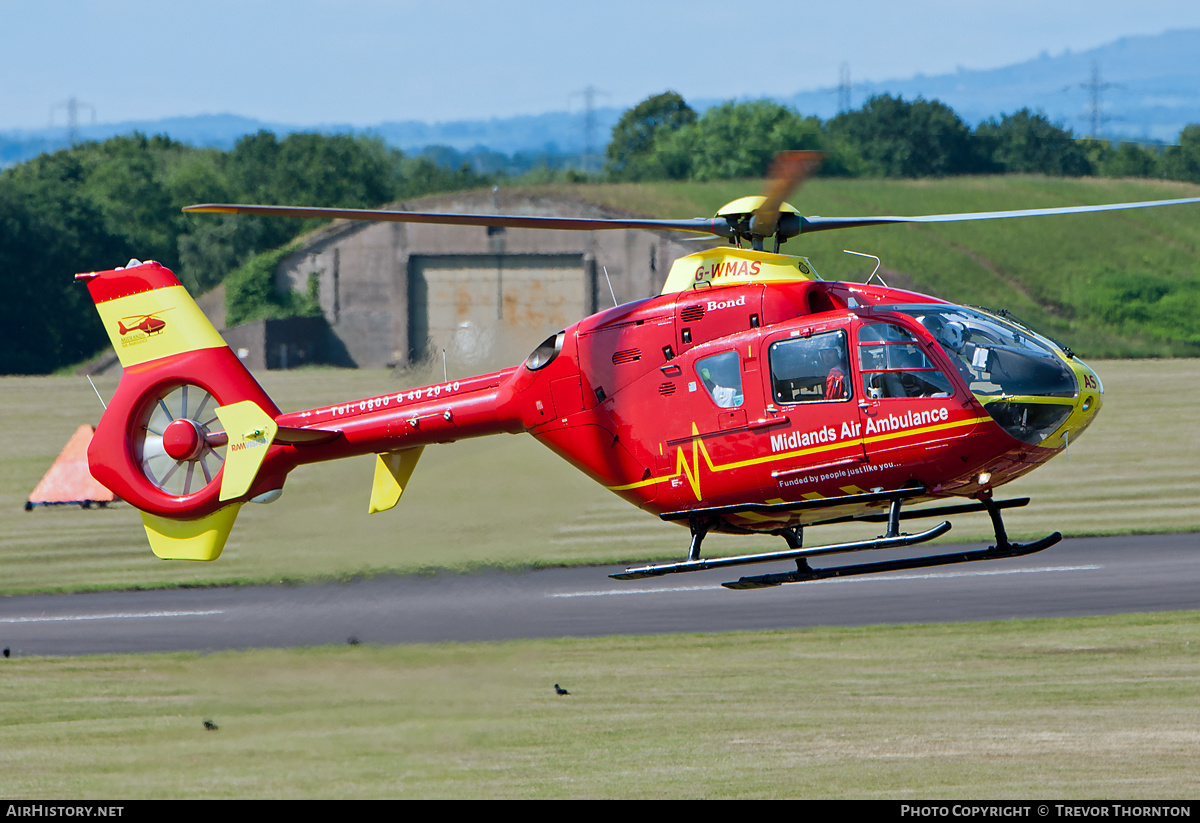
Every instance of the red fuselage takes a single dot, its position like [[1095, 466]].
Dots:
[[632, 397]]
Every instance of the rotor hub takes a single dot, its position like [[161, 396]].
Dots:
[[750, 223], [183, 439]]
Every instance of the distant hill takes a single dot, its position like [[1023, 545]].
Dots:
[[553, 133], [1148, 88], [219, 131]]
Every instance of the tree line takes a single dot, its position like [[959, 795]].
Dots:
[[663, 138]]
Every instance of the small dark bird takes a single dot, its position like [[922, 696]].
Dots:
[[7, 653], [353, 641], [210, 726], [560, 690]]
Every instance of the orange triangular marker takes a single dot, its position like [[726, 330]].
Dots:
[[69, 480]]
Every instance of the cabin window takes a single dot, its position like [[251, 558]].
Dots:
[[810, 369], [893, 365], [721, 375]]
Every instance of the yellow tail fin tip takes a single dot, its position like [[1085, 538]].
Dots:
[[392, 472], [201, 539]]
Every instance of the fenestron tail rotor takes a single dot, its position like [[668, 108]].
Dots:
[[179, 444]]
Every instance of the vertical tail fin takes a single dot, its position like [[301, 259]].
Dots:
[[161, 445]]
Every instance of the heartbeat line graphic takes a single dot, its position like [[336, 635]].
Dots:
[[692, 472], [688, 467]]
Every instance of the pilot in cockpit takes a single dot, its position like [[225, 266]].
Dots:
[[834, 362], [951, 336]]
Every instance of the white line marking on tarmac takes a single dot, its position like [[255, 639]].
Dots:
[[115, 616], [636, 591], [863, 579]]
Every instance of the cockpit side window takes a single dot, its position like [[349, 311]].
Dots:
[[893, 364], [810, 369], [721, 375]]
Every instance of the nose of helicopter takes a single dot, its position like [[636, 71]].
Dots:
[[1087, 404]]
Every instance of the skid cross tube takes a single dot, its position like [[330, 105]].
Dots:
[[938, 511], [799, 505], [699, 527]]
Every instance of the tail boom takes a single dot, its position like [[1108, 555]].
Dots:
[[442, 413]]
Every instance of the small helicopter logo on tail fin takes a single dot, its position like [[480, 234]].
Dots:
[[149, 324]]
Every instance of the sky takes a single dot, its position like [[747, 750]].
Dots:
[[361, 62]]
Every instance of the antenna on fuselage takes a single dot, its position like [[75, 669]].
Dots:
[[874, 273], [97, 391], [610, 288]]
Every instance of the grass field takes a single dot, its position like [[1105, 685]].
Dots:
[[1085, 708], [508, 501]]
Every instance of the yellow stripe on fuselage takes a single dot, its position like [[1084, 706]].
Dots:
[[693, 475], [184, 327]]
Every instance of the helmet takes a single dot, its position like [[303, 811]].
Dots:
[[949, 334], [953, 335]]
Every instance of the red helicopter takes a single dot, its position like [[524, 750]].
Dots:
[[750, 397]]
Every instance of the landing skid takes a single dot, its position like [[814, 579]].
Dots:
[[892, 540], [804, 573], [799, 555]]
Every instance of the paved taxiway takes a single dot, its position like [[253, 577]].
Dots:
[[1087, 576]]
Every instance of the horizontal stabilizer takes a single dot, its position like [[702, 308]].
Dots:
[[304, 437], [392, 472], [251, 432], [201, 539]]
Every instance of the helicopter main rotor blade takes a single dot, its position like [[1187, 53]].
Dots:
[[788, 170], [811, 224], [718, 226], [701, 225]]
